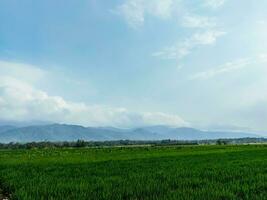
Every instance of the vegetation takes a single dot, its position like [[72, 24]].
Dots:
[[82, 143], [158, 172]]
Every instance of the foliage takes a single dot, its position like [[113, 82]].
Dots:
[[82, 143]]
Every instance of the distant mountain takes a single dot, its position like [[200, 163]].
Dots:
[[63, 132], [186, 133], [6, 128]]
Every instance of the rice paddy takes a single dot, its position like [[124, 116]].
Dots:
[[136, 173]]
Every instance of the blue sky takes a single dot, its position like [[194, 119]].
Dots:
[[125, 63]]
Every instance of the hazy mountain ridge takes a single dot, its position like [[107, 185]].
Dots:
[[6, 128], [63, 132]]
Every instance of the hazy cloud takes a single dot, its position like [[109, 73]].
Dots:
[[229, 67], [195, 21], [185, 47], [25, 72], [135, 11], [21, 101], [214, 3]]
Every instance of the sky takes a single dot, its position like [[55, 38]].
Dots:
[[130, 63]]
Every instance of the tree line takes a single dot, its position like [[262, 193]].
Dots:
[[82, 143]]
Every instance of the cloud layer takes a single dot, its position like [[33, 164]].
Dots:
[[21, 101]]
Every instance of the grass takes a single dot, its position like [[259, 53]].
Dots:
[[200, 172]]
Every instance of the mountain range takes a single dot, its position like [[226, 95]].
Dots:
[[64, 132]]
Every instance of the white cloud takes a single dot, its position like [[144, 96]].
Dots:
[[21, 101], [229, 67], [135, 11], [214, 3], [25, 72], [184, 48], [205, 38], [194, 21]]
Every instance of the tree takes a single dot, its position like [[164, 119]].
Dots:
[[80, 143]]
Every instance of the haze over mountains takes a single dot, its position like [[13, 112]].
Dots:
[[63, 132]]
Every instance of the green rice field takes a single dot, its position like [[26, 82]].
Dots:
[[136, 173]]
